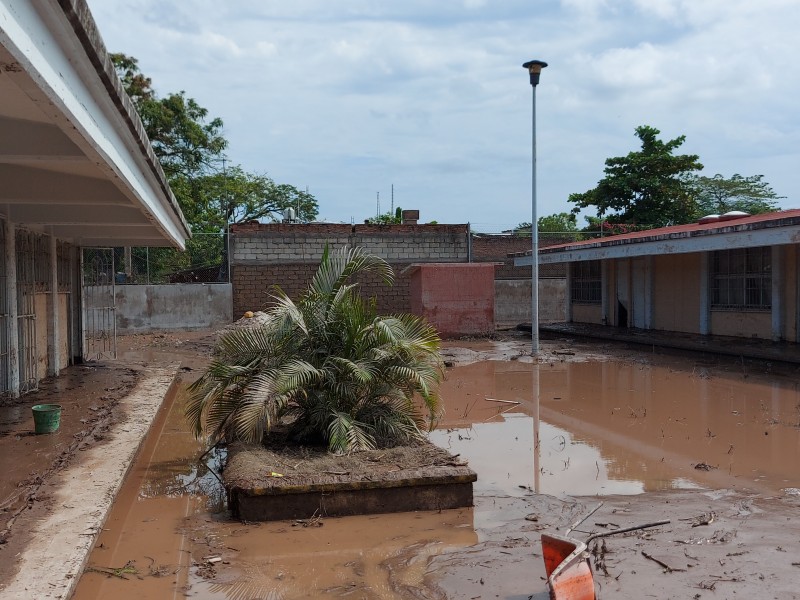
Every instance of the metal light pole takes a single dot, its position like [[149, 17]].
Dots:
[[534, 67]]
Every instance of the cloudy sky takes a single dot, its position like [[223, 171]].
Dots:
[[348, 97]]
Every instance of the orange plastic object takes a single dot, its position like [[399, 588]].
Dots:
[[566, 562]]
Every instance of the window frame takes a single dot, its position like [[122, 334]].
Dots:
[[586, 282], [740, 279]]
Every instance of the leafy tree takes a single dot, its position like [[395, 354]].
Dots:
[[387, 218], [557, 223], [185, 141], [718, 195], [647, 187], [328, 366], [190, 147], [235, 196]]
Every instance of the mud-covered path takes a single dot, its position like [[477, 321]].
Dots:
[[176, 545]]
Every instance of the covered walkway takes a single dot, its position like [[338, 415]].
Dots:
[[757, 349]]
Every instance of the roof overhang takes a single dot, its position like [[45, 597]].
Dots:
[[74, 160], [746, 235]]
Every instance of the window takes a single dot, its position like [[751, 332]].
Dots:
[[741, 279], [586, 282]]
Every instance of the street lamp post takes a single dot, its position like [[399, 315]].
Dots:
[[534, 67]]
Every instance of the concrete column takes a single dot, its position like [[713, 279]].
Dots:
[[12, 334], [705, 294], [778, 276], [649, 295], [76, 305], [53, 340], [568, 295]]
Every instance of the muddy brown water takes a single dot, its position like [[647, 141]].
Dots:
[[609, 427]]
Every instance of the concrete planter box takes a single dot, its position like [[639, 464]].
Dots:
[[262, 486]]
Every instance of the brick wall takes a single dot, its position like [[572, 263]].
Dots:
[[263, 255], [496, 248]]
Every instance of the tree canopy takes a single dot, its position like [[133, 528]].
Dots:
[[718, 195], [190, 146], [653, 187], [387, 218], [557, 223], [648, 187], [186, 142]]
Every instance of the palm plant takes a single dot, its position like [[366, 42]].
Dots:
[[328, 366]]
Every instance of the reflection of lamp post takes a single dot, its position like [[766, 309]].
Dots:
[[534, 67], [537, 424]]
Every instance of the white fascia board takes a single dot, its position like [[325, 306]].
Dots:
[[744, 238], [72, 86]]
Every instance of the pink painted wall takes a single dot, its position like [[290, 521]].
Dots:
[[456, 298]]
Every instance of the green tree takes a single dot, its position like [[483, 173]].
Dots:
[[328, 365], [647, 187], [387, 218], [186, 142], [190, 147], [557, 223], [235, 196], [718, 195]]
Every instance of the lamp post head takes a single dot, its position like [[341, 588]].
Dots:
[[534, 68]]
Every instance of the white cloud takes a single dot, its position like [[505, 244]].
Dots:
[[349, 97]]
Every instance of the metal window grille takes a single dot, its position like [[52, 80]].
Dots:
[[586, 282], [741, 279], [26, 309], [99, 309]]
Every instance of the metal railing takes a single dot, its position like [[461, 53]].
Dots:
[[204, 261]]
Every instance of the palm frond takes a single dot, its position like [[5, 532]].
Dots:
[[327, 363], [345, 434]]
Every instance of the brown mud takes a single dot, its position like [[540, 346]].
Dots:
[[611, 420], [288, 466], [89, 396]]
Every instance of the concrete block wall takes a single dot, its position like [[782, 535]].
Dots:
[[513, 301], [496, 248], [287, 255]]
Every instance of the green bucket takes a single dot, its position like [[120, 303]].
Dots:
[[46, 417]]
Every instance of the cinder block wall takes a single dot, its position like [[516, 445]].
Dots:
[[264, 255], [496, 248]]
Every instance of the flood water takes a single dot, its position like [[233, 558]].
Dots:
[[611, 427]]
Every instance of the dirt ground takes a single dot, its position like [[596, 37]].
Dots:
[[251, 467], [89, 395], [719, 544]]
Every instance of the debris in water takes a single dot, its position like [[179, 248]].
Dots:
[[704, 467], [532, 517], [667, 568]]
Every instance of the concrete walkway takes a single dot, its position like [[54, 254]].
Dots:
[[757, 349], [51, 564]]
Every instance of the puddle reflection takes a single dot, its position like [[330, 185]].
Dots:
[[598, 428], [620, 428]]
